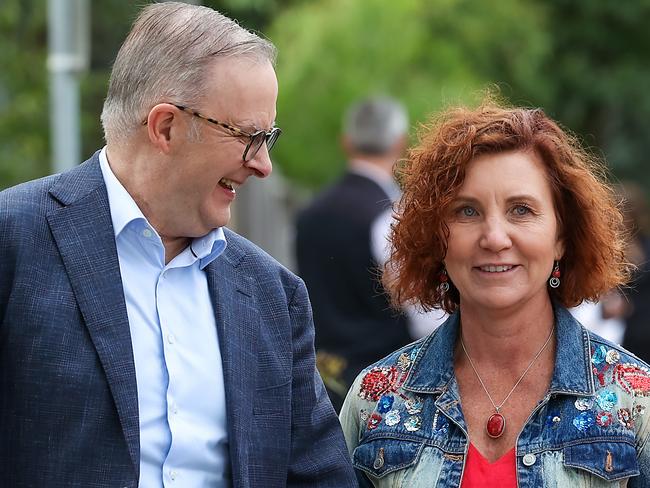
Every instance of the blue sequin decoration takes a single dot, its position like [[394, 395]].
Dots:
[[385, 403], [553, 419], [584, 420], [392, 418], [414, 352], [599, 356], [606, 399], [413, 423], [413, 405]]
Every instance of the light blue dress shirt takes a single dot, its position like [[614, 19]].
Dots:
[[181, 396]]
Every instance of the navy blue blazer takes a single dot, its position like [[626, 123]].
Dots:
[[68, 393]]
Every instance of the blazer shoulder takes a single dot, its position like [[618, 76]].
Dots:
[[27, 201], [240, 252]]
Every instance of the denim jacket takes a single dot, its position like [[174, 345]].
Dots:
[[404, 424]]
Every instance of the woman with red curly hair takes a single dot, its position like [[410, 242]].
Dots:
[[505, 221]]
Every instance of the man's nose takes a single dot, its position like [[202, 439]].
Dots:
[[261, 164]]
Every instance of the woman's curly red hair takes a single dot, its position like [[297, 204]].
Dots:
[[590, 222]]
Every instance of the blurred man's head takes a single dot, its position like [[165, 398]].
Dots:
[[375, 128]]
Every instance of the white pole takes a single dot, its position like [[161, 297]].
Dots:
[[68, 57]]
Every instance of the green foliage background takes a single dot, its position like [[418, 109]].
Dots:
[[584, 61]]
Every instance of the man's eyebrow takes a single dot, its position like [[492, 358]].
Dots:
[[251, 127]]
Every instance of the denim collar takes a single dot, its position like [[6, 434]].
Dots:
[[432, 369]]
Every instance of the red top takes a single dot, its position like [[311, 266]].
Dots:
[[480, 473]]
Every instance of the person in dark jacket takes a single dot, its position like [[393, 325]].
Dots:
[[355, 324]]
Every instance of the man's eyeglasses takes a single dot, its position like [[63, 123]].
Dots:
[[255, 140]]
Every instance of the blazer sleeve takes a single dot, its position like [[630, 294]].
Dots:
[[319, 458]]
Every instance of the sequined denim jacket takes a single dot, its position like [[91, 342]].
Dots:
[[404, 425]]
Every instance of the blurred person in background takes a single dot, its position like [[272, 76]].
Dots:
[[141, 342], [421, 322], [637, 320], [505, 221], [623, 315], [355, 324]]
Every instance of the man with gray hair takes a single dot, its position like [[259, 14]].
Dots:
[[142, 343], [355, 325]]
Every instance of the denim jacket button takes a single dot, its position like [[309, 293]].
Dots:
[[529, 459]]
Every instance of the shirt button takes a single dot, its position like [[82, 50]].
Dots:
[[529, 459], [170, 338], [173, 474], [147, 233]]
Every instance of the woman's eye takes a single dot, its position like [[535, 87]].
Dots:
[[468, 212], [521, 210]]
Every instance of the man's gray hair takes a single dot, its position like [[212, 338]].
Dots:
[[165, 58], [375, 124]]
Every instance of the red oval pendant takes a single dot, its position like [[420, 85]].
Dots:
[[495, 426]]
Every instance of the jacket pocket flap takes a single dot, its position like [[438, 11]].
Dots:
[[608, 460], [381, 456]]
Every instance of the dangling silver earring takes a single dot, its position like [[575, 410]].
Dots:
[[554, 280], [444, 281]]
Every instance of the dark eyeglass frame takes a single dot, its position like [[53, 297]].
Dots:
[[256, 139]]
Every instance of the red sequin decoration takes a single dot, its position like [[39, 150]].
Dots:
[[379, 381], [604, 419], [633, 379], [374, 420]]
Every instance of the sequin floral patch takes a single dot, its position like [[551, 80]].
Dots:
[[604, 419], [633, 379], [364, 415], [413, 405], [584, 403], [374, 420], [404, 361], [414, 353], [638, 410], [553, 419], [612, 356], [584, 420], [625, 417], [413, 423], [392, 418], [606, 400], [379, 381], [385, 403], [599, 355]]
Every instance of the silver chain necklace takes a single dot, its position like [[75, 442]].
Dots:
[[496, 423]]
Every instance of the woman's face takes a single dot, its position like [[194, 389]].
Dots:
[[503, 233]]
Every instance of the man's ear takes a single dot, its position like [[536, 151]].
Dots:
[[161, 119]]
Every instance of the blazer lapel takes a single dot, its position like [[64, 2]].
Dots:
[[83, 231], [237, 319]]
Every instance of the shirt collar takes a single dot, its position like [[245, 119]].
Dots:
[[124, 210], [433, 367]]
